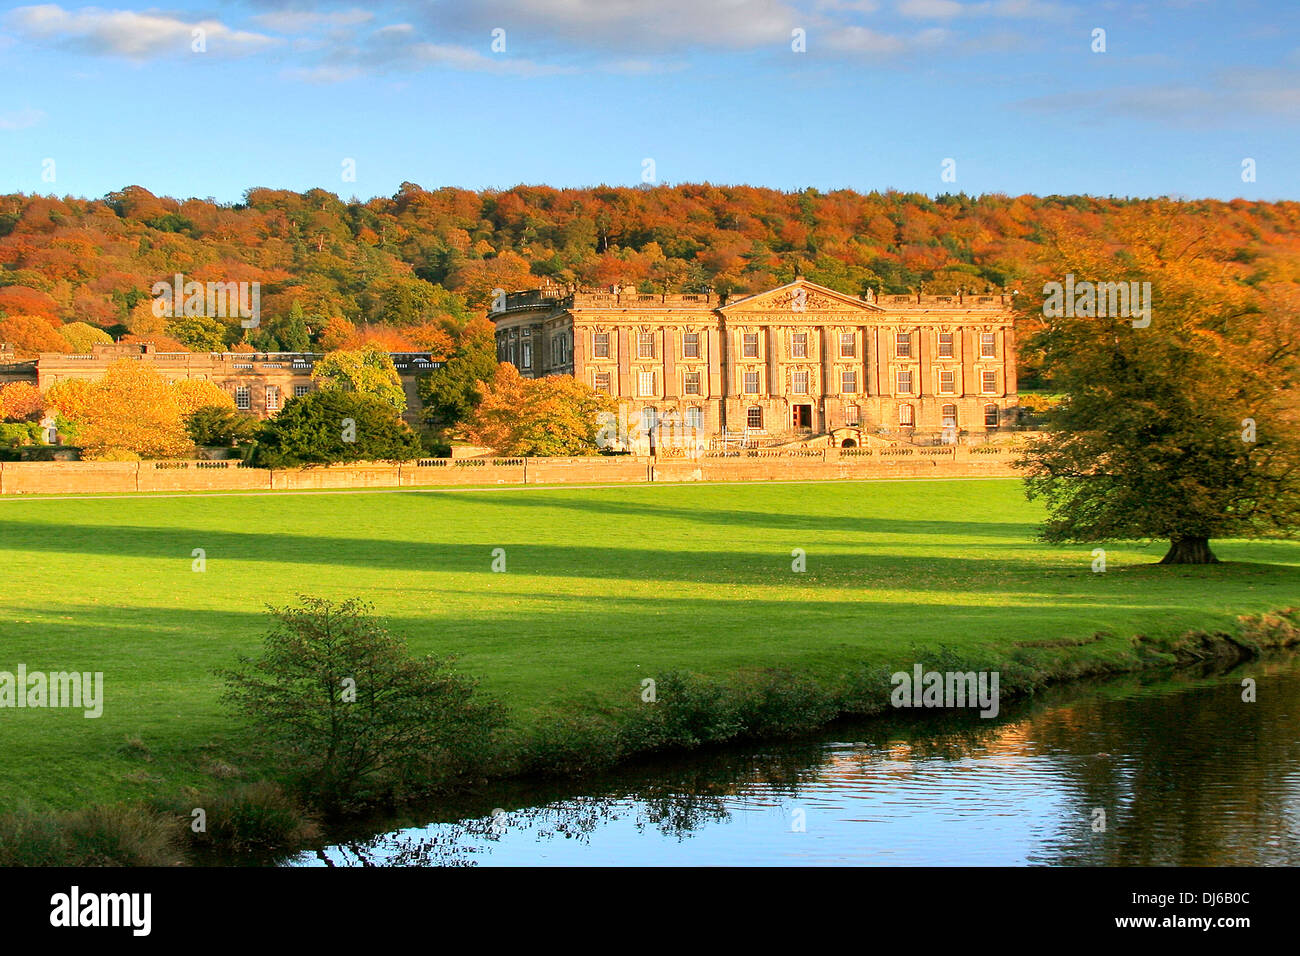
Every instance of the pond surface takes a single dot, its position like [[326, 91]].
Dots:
[[1185, 772]]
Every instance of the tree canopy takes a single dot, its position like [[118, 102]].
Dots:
[[1184, 429]]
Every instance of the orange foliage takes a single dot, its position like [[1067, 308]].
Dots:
[[31, 334], [21, 401]]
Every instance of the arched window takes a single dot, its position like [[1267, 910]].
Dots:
[[991, 415], [949, 416], [754, 417], [905, 415]]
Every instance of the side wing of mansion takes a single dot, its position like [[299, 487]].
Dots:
[[798, 360]]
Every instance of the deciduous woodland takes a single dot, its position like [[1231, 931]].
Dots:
[[411, 270]]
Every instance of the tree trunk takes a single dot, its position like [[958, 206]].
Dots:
[[1189, 550]]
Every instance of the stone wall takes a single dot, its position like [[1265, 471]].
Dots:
[[825, 464]]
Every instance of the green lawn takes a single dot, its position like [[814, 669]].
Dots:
[[603, 587]]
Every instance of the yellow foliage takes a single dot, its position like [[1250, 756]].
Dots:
[[132, 410]]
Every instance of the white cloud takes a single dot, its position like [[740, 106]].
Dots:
[[125, 33], [20, 119], [303, 21]]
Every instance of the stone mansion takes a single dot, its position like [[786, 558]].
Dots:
[[796, 361]]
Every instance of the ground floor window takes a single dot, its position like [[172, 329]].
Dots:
[[949, 415], [300, 390], [991, 415], [754, 417], [602, 382], [649, 418], [695, 418], [905, 415], [243, 397], [852, 415], [272, 397]]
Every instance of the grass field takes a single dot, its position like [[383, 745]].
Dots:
[[603, 587]]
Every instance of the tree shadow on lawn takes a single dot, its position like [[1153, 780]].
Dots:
[[842, 522], [880, 569]]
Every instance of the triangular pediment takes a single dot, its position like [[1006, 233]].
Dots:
[[799, 296]]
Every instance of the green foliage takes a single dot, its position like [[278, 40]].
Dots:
[[366, 371], [328, 427], [220, 426], [350, 712], [94, 836], [199, 333], [18, 434], [254, 817], [449, 394], [286, 333]]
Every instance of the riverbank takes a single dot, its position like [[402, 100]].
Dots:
[[258, 822], [600, 590]]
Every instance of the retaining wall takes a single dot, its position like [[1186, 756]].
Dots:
[[106, 477]]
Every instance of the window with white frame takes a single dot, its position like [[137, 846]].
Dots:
[[903, 380], [799, 382], [749, 344], [649, 419], [852, 415], [945, 345], [905, 415], [751, 382], [243, 397], [849, 380], [272, 397], [988, 345], [300, 390], [948, 416], [989, 381], [646, 383], [991, 416], [691, 345], [600, 345], [528, 355], [848, 345], [645, 345], [799, 345], [695, 418], [903, 345], [754, 417], [602, 382], [691, 383], [947, 382]]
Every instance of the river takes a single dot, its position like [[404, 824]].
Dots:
[[1151, 769]]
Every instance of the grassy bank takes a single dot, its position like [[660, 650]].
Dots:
[[602, 588]]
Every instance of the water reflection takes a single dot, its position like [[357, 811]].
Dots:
[[1185, 772]]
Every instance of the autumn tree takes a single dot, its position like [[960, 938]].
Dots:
[[20, 402], [366, 371], [1183, 429], [131, 411], [82, 337], [556, 415], [31, 334]]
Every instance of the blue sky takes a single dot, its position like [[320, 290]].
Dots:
[[282, 94]]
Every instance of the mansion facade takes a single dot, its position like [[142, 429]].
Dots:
[[795, 361]]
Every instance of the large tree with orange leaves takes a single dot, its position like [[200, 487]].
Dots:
[[1183, 429], [132, 411], [556, 415]]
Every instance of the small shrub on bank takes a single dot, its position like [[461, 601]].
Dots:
[[573, 745], [253, 817], [688, 710], [94, 836], [351, 715], [779, 703]]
